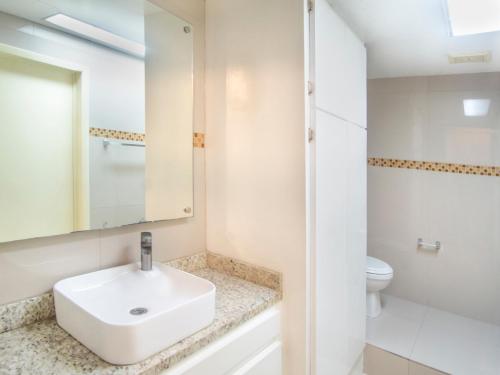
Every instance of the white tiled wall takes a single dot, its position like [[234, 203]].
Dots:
[[423, 119], [117, 190], [31, 267]]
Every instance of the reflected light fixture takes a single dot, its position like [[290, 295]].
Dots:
[[96, 34], [476, 107], [469, 17]]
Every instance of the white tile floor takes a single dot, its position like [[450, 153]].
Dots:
[[435, 338]]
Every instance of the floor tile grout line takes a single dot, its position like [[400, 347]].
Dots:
[[404, 316], [424, 317]]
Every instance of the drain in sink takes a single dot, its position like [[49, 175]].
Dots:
[[139, 311]]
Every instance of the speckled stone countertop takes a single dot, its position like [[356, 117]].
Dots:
[[44, 348]]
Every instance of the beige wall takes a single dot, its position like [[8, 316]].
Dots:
[[255, 147], [32, 267], [422, 118]]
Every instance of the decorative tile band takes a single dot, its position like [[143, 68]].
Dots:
[[435, 166], [117, 134], [198, 138]]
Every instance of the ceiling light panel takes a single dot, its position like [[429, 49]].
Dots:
[[469, 17], [96, 34]]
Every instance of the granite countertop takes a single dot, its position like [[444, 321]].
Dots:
[[44, 348]]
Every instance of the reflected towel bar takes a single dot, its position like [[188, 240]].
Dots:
[[107, 143]]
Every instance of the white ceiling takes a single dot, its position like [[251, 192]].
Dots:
[[412, 38], [121, 17]]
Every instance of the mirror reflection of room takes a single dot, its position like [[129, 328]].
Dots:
[[73, 109]]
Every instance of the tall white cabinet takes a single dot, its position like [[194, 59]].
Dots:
[[338, 193]]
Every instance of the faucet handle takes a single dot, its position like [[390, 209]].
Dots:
[[146, 251], [146, 239]]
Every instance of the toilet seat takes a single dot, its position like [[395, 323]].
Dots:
[[376, 268]]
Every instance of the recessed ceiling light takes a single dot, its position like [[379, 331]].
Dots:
[[476, 107], [473, 16], [96, 34]]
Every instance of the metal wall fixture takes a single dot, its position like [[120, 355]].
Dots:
[[106, 143], [434, 246]]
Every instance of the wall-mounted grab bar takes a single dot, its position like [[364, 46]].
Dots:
[[435, 246], [107, 143]]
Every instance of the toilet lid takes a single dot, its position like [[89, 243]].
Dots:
[[377, 266]]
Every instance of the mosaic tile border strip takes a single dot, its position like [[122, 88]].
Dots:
[[479, 170], [198, 138], [117, 134]]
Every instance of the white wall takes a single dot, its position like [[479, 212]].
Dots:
[[423, 118], [339, 194], [256, 147], [31, 267]]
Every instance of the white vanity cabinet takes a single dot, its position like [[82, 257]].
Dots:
[[254, 348]]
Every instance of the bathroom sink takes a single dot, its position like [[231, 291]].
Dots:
[[125, 315]]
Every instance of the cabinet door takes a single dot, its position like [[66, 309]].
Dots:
[[340, 251], [267, 362], [340, 67], [237, 347]]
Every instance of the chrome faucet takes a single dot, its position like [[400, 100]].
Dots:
[[146, 251]]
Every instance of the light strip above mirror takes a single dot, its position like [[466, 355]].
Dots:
[[97, 34]]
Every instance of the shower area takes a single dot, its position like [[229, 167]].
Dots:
[[434, 217]]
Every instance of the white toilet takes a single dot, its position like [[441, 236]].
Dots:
[[378, 276]]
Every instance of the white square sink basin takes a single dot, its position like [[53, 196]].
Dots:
[[125, 315]]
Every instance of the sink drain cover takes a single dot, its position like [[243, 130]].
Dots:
[[138, 311]]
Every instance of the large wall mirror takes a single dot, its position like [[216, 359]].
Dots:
[[96, 116]]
